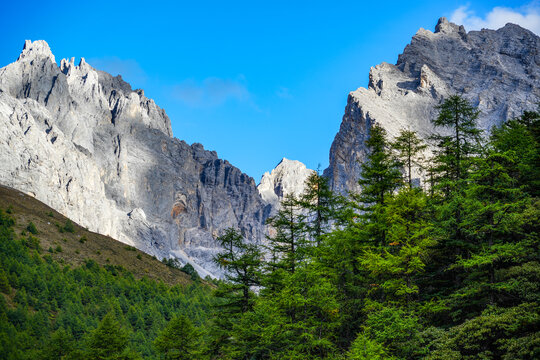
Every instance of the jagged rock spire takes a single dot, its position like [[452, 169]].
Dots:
[[288, 177], [36, 49]]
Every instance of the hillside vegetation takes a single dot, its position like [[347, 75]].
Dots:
[[443, 271], [67, 293], [80, 245]]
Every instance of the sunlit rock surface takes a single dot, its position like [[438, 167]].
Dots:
[[498, 71], [86, 144], [288, 177]]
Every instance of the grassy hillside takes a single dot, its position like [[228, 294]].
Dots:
[[68, 293], [74, 248]]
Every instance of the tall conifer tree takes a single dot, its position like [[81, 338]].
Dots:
[[454, 156], [380, 177], [320, 204], [242, 264], [290, 242], [454, 151], [409, 148]]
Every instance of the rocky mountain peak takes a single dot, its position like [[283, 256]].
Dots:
[[83, 142], [66, 65], [496, 70], [79, 96], [36, 49], [288, 177], [445, 27]]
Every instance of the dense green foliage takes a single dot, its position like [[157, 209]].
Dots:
[[446, 270], [449, 270], [179, 340], [50, 311]]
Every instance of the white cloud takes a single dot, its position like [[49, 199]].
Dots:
[[129, 69], [211, 91], [527, 16]]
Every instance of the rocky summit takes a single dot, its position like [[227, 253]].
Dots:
[[496, 70], [288, 177], [86, 144]]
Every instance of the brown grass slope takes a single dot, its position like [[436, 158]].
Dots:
[[73, 248]]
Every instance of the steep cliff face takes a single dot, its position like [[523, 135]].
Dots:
[[498, 71], [288, 177], [86, 144]]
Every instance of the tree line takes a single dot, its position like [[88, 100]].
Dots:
[[49, 310], [445, 270]]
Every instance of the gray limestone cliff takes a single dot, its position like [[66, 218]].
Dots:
[[86, 144], [288, 177], [497, 71]]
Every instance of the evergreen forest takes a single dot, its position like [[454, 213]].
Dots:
[[443, 268]]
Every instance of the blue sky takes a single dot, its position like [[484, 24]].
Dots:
[[256, 81]]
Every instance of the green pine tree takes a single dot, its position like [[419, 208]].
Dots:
[[521, 137], [379, 178], [321, 206], [453, 160], [409, 148], [109, 341], [454, 152], [242, 264], [179, 340], [380, 175], [60, 345], [289, 245]]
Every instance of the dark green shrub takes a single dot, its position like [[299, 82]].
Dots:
[[31, 242], [171, 263], [32, 229], [6, 220], [4, 283], [190, 270], [69, 227]]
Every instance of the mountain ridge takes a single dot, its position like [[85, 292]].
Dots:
[[82, 245], [288, 177], [496, 70], [85, 143]]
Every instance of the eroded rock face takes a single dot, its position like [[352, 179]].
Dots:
[[288, 177], [86, 144], [497, 71]]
